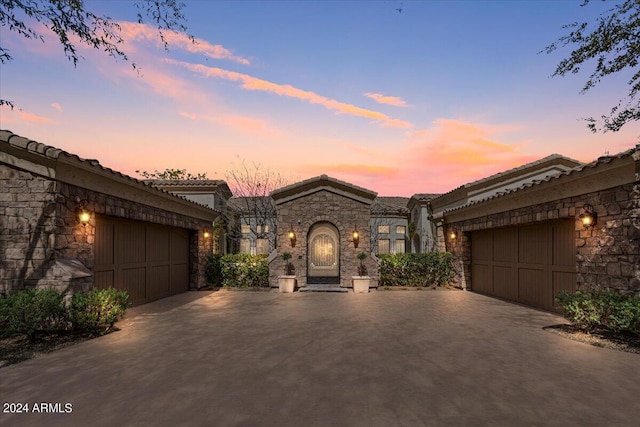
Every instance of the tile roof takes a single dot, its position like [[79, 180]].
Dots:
[[321, 180], [503, 174], [552, 178], [54, 153]]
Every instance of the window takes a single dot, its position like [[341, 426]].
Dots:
[[245, 228], [401, 229], [383, 246], [262, 246], [383, 229], [399, 246], [245, 246]]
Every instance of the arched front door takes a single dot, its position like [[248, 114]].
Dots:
[[323, 262]]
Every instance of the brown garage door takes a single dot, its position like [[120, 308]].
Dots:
[[527, 264], [149, 261]]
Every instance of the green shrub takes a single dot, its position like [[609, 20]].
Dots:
[[244, 270], [426, 269], [601, 308], [97, 311], [32, 311], [213, 271]]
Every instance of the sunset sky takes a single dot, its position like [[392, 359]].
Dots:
[[400, 102]]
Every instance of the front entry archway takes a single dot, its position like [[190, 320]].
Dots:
[[323, 254]]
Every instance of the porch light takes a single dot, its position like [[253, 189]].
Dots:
[[356, 238], [292, 237], [206, 234], [453, 235], [588, 217], [82, 213]]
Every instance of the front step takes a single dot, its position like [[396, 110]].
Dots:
[[323, 288]]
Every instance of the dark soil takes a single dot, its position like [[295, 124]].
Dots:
[[16, 349], [622, 341]]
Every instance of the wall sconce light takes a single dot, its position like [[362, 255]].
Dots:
[[292, 237], [588, 217], [453, 235], [206, 234], [356, 237], [82, 213]]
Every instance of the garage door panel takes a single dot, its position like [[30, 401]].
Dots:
[[134, 281], [180, 245], [505, 244], [563, 281], [132, 243], [533, 245], [104, 279], [481, 245], [532, 289], [105, 242], [149, 261], [159, 244], [159, 282], [504, 282], [180, 278], [563, 244], [545, 262]]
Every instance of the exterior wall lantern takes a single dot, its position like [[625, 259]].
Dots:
[[83, 215], [206, 234], [292, 237], [356, 237], [588, 217], [453, 235]]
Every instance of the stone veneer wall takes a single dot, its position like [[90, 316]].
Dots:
[[323, 206], [39, 225], [607, 254], [27, 227]]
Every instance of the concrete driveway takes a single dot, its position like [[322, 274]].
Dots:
[[381, 359]]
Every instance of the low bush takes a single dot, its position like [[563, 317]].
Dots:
[[601, 308], [425, 269], [213, 272], [32, 311], [97, 311], [244, 270]]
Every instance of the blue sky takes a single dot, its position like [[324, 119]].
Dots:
[[421, 100]]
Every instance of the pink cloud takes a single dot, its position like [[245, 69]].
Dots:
[[253, 83], [18, 115], [436, 159], [132, 31], [56, 106], [244, 124], [387, 100]]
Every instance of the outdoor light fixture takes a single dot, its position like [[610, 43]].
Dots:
[[206, 234], [588, 217], [82, 213], [356, 237], [453, 235], [292, 237]]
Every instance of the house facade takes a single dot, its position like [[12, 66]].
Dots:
[[521, 235]]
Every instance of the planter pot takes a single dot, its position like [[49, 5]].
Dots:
[[361, 284], [287, 283]]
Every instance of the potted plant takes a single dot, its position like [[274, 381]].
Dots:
[[287, 281], [362, 280]]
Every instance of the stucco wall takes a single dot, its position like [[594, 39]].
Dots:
[[344, 213]]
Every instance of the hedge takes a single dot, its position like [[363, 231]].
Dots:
[[244, 270], [416, 270], [34, 311], [601, 308]]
